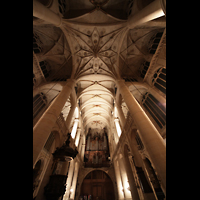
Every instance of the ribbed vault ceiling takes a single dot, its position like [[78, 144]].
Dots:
[[102, 50], [95, 56], [99, 49]]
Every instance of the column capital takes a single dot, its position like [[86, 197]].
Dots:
[[120, 80], [71, 80]]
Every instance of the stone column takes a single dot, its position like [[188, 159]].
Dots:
[[118, 180], [70, 116], [42, 129], [151, 138], [83, 148], [114, 130], [42, 12], [152, 11], [80, 144], [134, 150], [69, 180], [119, 131], [73, 187], [77, 136], [74, 129], [138, 161], [124, 177], [131, 179], [121, 114]]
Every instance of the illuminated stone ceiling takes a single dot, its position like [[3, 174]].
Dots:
[[102, 50]]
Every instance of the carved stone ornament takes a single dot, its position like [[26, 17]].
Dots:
[[57, 182], [65, 152]]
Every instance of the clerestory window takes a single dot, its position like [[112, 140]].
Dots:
[[155, 109], [37, 44], [154, 41], [39, 102], [159, 79]]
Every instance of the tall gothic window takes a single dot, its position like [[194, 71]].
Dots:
[[144, 68], [37, 44], [155, 109], [154, 41], [39, 102], [139, 142], [130, 5], [45, 68], [159, 79], [62, 6]]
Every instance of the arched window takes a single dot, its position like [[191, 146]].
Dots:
[[159, 79], [155, 109], [154, 179], [154, 41], [144, 68], [139, 142], [39, 102], [45, 68], [62, 6], [49, 142], [37, 44], [130, 5]]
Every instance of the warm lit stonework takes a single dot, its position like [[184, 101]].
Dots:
[[99, 99]]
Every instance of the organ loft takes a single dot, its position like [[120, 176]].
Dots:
[[97, 152], [99, 99]]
